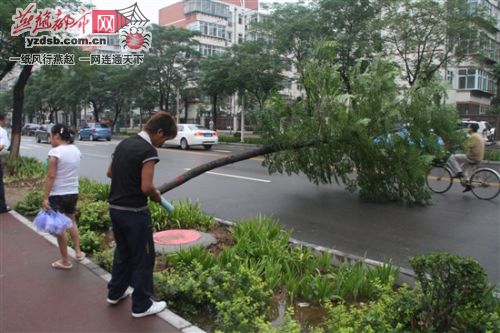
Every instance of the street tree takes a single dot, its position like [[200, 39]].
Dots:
[[354, 27], [423, 35], [292, 29], [258, 76], [171, 58], [214, 79]]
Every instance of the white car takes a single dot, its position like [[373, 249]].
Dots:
[[485, 128], [193, 135]]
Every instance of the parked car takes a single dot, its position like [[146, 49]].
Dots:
[[485, 128], [193, 135], [42, 133], [95, 131], [29, 129]]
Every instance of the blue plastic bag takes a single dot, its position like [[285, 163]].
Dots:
[[53, 222]]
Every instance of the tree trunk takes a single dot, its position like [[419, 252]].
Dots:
[[214, 110], [118, 110], [17, 115], [185, 110], [179, 180], [8, 67], [95, 111]]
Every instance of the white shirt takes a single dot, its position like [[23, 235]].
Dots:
[[4, 138], [68, 165]]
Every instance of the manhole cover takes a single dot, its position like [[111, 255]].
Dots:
[[176, 237]]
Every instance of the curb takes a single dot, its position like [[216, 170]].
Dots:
[[166, 315]]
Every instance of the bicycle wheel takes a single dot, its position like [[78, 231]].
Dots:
[[439, 179], [485, 183]]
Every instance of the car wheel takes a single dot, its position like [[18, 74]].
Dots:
[[108, 139], [80, 137], [38, 139], [184, 144], [91, 137], [207, 147]]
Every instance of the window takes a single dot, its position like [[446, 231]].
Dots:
[[209, 29], [207, 50], [472, 78], [207, 7], [466, 78], [449, 77]]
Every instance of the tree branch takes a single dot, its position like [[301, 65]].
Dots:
[[179, 180]]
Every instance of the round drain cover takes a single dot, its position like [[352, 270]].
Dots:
[[176, 237]]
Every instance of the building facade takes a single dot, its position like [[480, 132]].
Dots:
[[472, 87], [221, 24]]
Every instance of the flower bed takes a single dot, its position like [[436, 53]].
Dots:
[[245, 282]]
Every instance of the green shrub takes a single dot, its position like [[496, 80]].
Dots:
[[185, 257], [240, 297], [186, 215], [492, 155], [31, 204], [90, 241], [93, 215], [184, 287], [104, 259], [455, 289], [228, 138], [235, 293], [93, 191], [22, 168], [373, 317]]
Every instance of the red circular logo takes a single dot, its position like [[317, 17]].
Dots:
[[134, 41]]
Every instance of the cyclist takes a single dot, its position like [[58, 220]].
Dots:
[[474, 154]]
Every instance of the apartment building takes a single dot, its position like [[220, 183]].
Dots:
[[472, 86], [221, 23]]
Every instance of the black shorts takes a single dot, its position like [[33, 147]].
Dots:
[[64, 203]]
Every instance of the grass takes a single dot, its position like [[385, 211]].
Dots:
[[492, 155]]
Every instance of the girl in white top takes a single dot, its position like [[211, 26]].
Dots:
[[61, 188]]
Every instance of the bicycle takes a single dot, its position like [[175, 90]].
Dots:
[[484, 182]]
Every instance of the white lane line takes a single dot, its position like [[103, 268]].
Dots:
[[235, 176], [222, 151]]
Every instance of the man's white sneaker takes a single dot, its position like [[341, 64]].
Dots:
[[153, 309], [115, 301]]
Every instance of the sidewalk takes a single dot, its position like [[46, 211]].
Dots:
[[34, 297]]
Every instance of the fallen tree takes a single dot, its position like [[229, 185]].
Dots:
[[179, 180]]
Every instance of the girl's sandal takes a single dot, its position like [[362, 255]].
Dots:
[[58, 265]]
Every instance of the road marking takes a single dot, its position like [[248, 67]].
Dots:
[[222, 151], [212, 154], [235, 176]]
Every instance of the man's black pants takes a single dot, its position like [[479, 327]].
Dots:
[[134, 257]]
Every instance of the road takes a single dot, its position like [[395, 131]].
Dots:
[[326, 215]]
